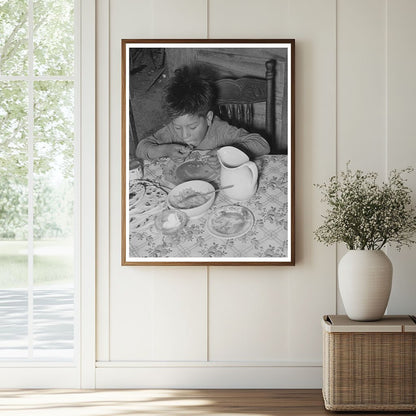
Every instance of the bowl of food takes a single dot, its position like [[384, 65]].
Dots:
[[170, 221], [193, 198]]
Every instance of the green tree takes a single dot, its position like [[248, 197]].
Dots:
[[53, 117], [13, 209], [13, 37]]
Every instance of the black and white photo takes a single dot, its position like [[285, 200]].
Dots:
[[208, 152]]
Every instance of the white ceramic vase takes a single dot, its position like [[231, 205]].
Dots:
[[364, 278]]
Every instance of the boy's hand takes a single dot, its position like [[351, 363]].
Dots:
[[175, 151], [178, 151]]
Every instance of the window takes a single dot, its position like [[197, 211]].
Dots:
[[38, 184]]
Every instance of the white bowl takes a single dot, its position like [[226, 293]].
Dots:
[[178, 193]]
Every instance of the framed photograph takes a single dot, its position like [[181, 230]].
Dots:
[[208, 135]]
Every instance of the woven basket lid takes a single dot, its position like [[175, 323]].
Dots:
[[389, 323]]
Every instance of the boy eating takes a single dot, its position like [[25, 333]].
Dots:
[[189, 100]]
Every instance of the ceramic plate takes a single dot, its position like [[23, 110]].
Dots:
[[200, 166], [195, 170], [231, 221]]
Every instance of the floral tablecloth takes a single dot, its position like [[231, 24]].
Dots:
[[268, 238]]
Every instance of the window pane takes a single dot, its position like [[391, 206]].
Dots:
[[13, 37], [53, 178], [13, 220], [13, 160], [53, 320], [14, 321], [53, 197], [53, 37]]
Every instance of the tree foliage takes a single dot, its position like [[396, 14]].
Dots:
[[13, 37], [53, 37], [52, 118]]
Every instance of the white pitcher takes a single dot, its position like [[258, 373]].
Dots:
[[239, 171]]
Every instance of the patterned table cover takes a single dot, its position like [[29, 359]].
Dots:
[[268, 238]]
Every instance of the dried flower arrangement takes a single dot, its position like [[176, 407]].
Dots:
[[366, 215]]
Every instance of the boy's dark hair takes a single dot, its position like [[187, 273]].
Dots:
[[189, 92]]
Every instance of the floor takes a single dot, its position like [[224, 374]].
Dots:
[[165, 402]]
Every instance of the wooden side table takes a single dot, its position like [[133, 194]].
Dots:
[[369, 366]]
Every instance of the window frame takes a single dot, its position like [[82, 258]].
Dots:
[[81, 371]]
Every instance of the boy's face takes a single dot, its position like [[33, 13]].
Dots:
[[192, 128]]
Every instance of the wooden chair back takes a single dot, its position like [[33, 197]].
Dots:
[[236, 99]]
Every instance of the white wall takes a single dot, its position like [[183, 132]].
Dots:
[[255, 326]]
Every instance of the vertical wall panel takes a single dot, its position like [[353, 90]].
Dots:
[[140, 328], [179, 19], [179, 325], [361, 84], [248, 20], [312, 24], [401, 144], [131, 317], [312, 282], [361, 89], [159, 317], [248, 314]]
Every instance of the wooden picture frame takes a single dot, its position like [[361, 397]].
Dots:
[[251, 118]]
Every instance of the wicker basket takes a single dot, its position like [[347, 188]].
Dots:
[[369, 366]]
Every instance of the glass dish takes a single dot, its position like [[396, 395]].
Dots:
[[170, 221], [230, 221]]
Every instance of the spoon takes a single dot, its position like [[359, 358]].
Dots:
[[206, 193]]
